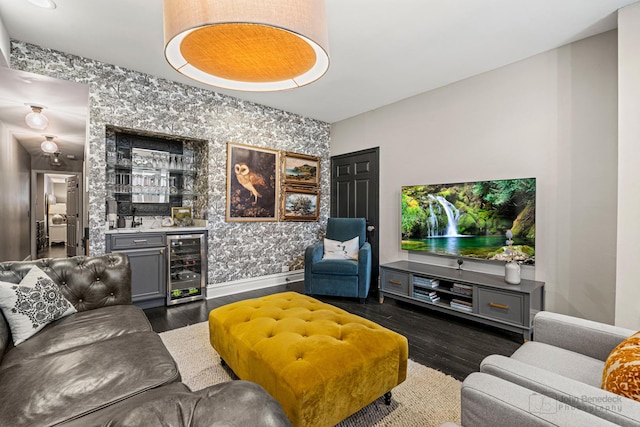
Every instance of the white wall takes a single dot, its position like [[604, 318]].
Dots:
[[5, 45], [628, 282], [14, 197], [552, 117]]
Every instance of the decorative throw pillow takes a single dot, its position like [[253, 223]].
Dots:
[[621, 373], [32, 304], [334, 249]]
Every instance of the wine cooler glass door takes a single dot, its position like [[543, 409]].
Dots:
[[187, 268]]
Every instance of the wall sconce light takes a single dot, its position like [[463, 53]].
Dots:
[[247, 45], [48, 146], [35, 119]]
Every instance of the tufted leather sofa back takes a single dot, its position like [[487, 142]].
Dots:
[[87, 282]]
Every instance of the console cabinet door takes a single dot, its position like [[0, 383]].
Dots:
[[148, 276]]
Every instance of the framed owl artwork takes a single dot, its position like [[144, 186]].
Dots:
[[301, 169], [253, 183]]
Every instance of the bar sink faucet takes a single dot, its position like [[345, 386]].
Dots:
[[134, 224]]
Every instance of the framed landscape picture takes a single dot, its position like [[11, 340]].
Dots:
[[253, 182], [181, 216], [300, 204], [300, 169]]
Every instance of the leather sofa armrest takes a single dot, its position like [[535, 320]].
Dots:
[[232, 403], [253, 406], [603, 404], [490, 401], [582, 336]]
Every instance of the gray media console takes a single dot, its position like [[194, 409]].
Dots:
[[485, 298]]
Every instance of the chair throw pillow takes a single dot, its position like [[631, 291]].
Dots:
[[621, 373], [334, 249], [32, 304]]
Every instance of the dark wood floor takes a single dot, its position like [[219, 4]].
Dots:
[[449, 344], [57, 250]]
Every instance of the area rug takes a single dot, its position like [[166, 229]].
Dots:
[[426, 398]]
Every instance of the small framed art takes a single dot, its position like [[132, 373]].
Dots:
[[182, 216], [300, 204], [301, 169]]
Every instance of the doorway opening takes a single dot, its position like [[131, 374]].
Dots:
[[55, 214]]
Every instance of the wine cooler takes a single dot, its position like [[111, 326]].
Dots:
[[187, 268]]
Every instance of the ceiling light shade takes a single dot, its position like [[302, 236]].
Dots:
[[48, 146], [35, 119], [248, 45]]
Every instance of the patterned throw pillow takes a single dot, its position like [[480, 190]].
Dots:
[[621, 373], [334, 249], [32, 305]]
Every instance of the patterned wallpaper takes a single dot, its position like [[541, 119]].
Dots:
[[129, 99]]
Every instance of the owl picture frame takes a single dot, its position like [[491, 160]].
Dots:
[[301, 169], [253, 183]]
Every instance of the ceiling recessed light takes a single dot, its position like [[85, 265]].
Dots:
[[45, 4]]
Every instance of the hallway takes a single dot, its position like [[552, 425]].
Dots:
[[55, 251]]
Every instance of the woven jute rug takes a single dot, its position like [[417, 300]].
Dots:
[[426, 398]]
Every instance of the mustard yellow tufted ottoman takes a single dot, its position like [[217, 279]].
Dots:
[[320, 362]]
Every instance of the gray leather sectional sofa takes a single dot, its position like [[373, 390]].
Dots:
[[105, 366]]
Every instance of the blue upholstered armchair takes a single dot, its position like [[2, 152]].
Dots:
[[339, 277]]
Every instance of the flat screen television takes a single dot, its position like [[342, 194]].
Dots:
[[471, 219]]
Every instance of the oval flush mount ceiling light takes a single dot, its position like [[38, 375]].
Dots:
[[247, 44], [45, 4], [48, 146], [35, 119]]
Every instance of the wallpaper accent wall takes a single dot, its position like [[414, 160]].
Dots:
[[129, 99]]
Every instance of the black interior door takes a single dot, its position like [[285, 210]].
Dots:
[[73, 214], [355, 185]]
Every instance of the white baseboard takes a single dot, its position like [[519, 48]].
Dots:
[[253, 283]]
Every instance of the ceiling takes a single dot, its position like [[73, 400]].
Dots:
[[66, 106], [382, 51]]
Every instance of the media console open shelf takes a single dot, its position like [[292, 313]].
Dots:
[[482, 297]]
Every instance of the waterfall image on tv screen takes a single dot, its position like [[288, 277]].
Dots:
[[471, 219]]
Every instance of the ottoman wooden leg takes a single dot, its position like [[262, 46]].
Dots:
[[387, 398]]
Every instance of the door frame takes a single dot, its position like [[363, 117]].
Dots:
[[32, 205]]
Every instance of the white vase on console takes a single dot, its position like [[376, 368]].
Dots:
[[512, 273]]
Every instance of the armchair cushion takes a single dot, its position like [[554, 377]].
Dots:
[[334, 249], [621, 374], [343, 267], [32, 304]]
